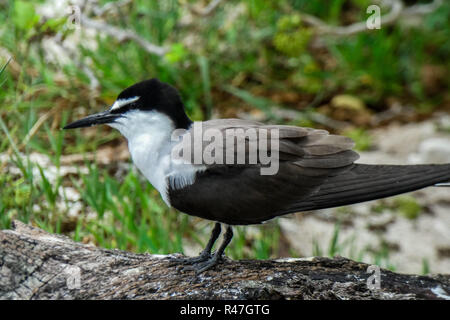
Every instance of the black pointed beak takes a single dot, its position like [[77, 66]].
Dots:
[[94, 119]]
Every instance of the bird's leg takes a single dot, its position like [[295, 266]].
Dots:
[[217, 257], [206, 253]]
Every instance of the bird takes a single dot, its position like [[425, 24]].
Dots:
[[311, 168]]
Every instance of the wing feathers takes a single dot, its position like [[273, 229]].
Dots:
[[368, 182], [332, 160], [316, 171], [304, 147]]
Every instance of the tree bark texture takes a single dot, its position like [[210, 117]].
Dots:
[[35, 264]]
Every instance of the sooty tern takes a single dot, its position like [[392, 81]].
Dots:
[[314, 169]]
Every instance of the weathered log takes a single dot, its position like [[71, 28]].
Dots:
[[35, 264]]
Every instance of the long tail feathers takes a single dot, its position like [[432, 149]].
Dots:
[[444, 184], [369, 182]]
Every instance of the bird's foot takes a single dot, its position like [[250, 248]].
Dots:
[[205, 265], [206, 260], [204, 256]]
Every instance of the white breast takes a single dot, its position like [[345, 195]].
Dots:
[[149, 141]]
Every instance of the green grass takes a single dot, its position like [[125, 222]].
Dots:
[[361, 137], [378, 253], [239, 58]]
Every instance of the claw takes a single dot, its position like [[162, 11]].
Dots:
[[205, 260], [191, 260], [205, 265]]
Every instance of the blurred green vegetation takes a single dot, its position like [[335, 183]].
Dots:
[[249, 55]]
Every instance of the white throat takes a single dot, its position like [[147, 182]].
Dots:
[[149, 141]]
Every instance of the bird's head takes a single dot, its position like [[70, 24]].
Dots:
[[149, 99]]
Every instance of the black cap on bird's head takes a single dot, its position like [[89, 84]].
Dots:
[[148, 95]]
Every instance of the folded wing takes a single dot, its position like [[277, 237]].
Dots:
[[306, 159]]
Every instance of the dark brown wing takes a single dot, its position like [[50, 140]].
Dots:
[[366, 182], [305, 147], [240, 194]]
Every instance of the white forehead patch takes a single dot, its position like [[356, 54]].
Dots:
[[123, 102]]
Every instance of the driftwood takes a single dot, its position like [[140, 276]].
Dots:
[[37, 265]]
